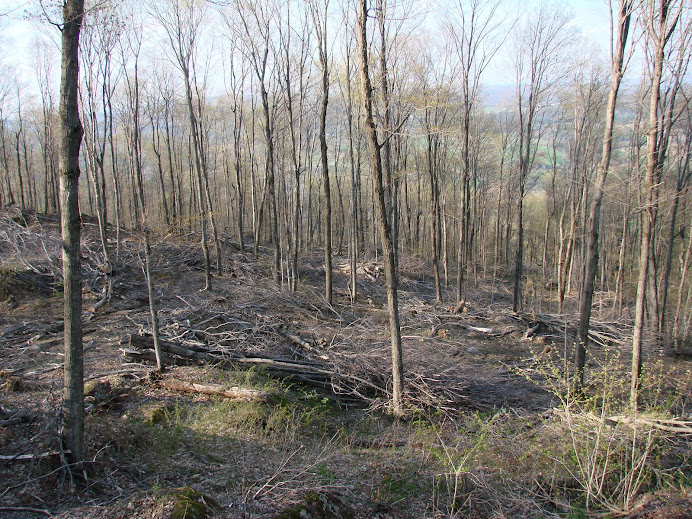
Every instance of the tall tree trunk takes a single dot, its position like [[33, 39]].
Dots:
[[156, 148], [295, 158], [269, 189], [175, 200], [669, 117], [678, 335], [661, 37], [382, 217], [519, 253], [136, 147], [72, 426], [114, 178], [327, 200], [435, 202], [683, 179], [320, 22], [617, 71], [100, 195], [239, 184], [353, 249], [204, 158], [201, 202], [462, 246], [5, 161], [385, 146]]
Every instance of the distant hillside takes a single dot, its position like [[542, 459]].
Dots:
[[493, 95]]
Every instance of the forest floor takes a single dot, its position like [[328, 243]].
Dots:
[[300, 419]]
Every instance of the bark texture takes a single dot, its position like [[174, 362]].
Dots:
[[71, 132]]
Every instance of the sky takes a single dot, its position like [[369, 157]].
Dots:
[[594, 20], [18, 34]]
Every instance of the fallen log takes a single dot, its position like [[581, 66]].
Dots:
[[237, 323], [224, 356], [147, 343], [531, 331], [457, 321], [51, 367], [459, 308], [312, 371], [674, 425], [105, 296], [25, 509], [117, 372], [29, 457], [12, 329], [276, 366], [298, 341], [150, 356], [233, 393], [601, 333]]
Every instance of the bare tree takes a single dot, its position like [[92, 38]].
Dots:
[[683, 177], [99, 37], [436, 103], [346, 87], [46, 131], [255, 30], [181, 22], [295, 101], [474, 26], [19, 134], [72, 424], [6, 192], [661, 21], [154, 107], [237, 73], [540, 42], [166, 87], [383, 221], [319, 20], [132, 85], [618, 66], [585, 104], [676, 105]]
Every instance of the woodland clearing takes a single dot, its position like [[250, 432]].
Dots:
[[275, 399]]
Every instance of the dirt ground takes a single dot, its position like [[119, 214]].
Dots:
[[147, 444]]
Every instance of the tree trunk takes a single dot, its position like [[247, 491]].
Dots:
[[650, 187], [114, 177], [156, 148], [462, 246], [353, 249], [72, 426], [382, 217], [269, 190], [327, 200], [519, 254], [175, 207], [385, 146], [136, 146], [200, 181], [617, 71], [435, 202]]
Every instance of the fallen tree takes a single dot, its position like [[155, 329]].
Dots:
[[306, 372], [233, 393]]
